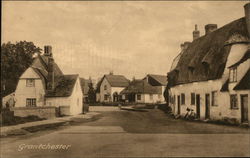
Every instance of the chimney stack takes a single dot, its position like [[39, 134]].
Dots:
[[247, 17], [196, 33], [51, 78], [111, 72], [210, 28], [48, 51]]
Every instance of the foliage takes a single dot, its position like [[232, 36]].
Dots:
[[91, 93], [16, 58]]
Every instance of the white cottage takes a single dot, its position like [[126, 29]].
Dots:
[[150, 89], [44, 84], [110, 86], [211, 74]]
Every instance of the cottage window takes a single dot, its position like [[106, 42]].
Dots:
[[192, 98], [182, 98], [214, 98], [233, 101], [30, 83], [151, 96], [233, 74], [138, 97], [105, 87], [106, 97], [31, 102]]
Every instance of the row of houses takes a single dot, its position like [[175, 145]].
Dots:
[[117, 88], [44, 85], [211, 74]]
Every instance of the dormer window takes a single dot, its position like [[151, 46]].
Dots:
[[30, 83], [233, 74]]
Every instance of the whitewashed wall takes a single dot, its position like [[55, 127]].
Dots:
[[22, 92]]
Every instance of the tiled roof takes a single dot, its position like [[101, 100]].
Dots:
[[141, 86], [64, 88]]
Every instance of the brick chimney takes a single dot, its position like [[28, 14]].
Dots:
[[210, 28], [47, 51], [247, 16], [196, 33], [51, 77]]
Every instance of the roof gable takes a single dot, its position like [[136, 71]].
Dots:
[[117, 80], [160, 79]]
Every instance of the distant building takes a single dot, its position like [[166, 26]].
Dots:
[[44, 84], [109, 87], [211, 74], [147, 90]]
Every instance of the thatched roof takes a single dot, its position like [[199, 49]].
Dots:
[[244, 83], [141, 87], [157, 80], [64, 87], [205, 58]]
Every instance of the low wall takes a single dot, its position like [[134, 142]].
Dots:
[[47, 112], [64, 110]]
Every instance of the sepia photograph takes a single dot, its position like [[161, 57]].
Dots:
[[97, 79]]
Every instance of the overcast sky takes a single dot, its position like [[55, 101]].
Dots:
[[129, 38]]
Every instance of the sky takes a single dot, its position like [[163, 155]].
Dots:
[[130, 38]]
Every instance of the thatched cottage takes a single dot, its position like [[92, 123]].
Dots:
[[211, 73], [150, 89], [109, 87], [44, 85]]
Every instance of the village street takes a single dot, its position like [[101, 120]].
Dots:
[[121, 133]]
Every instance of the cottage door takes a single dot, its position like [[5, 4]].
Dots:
[[179, 105], [198, 105], [207, 102], [244, 108]]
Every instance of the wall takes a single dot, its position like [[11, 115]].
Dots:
[[145, 98], [103, 92], [64, 110], [22, 92], [115, 89], [74, 101], [47, 112], [76, 104]]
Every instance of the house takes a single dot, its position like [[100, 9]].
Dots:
[[44, 85], [211, 74], [150, 89], [110, 86]]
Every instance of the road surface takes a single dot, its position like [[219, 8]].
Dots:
[[131, 134]]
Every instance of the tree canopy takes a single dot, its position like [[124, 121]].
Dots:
[[15, 59]]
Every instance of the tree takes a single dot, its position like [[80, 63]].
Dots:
[[16, 58], [91, 93]]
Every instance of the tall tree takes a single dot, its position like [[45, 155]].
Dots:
[[91, 92], [15, 59]]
